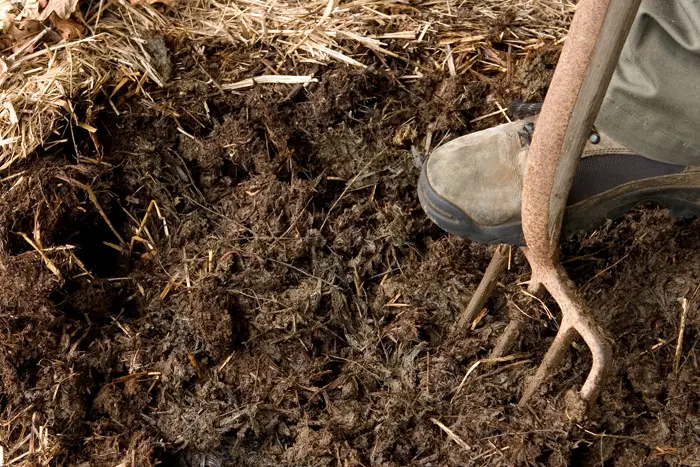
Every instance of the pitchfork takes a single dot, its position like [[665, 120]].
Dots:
[[586, 65]]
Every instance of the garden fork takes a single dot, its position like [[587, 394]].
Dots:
[[582, 75]]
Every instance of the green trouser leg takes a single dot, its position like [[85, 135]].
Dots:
[[653, 103]]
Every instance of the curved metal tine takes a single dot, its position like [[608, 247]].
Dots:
[[492, 275], [508, 337], [577, 313], [550, 361], [600, 351], [516, 321], [575, 317]]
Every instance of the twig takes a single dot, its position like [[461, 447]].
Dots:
[[302, 272], [49, 264], [142, 225], [451, 434], [476, 364], [427, 370], [268, 79], [93, 198], [347, 187], [223, 365], [681, 336], [546, 308]]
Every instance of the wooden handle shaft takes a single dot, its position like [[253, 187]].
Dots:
[[586, 65]]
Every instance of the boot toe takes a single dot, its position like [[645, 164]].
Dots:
[[471, 186]]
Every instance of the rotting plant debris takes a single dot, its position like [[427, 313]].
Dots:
[[201, 276]]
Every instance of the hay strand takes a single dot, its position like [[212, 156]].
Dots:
[[47, 77]]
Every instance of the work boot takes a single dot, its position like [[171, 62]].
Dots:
[[472, 186]]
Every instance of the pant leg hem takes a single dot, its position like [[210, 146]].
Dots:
[[629, 127]]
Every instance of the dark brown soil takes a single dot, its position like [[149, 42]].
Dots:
[[293, 305]]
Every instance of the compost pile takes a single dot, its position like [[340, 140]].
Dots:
[[203, 269]]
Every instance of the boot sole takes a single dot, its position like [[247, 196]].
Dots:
[[679, 193]]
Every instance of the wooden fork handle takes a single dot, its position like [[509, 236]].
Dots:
[[586, 65]]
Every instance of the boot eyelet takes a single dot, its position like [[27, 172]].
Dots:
[[594, 138]]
